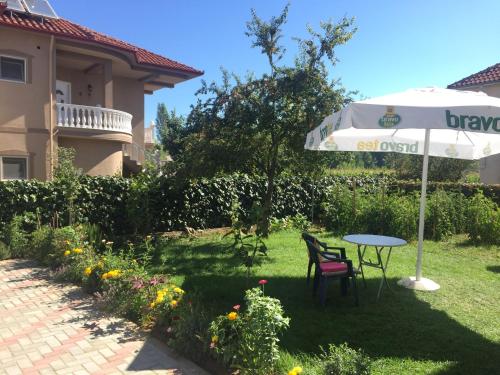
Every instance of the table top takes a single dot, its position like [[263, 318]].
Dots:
[[374, 240]]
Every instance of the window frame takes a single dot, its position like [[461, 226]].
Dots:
[[25, 65], [14, 157]]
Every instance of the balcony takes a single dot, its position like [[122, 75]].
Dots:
[[93, 118]]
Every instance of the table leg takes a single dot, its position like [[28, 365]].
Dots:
[[383, 267], [360, 267]]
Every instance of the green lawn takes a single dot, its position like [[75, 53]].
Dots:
[[455, 330]]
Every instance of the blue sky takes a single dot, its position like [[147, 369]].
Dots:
[[399, 44]]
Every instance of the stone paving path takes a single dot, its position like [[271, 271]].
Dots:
[[49, 328]]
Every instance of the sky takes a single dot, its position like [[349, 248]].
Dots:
[[399, 44]]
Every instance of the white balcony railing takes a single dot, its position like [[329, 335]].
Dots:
[[96, 118]]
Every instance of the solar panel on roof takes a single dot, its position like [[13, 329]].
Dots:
[[40, 8], [15, 5]]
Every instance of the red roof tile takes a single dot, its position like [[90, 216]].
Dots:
[[488, 75], [67, 29]]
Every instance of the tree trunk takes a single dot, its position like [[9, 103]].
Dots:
[[268, 199]]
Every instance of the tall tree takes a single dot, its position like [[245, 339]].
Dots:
[[258, 124], [169, 129]]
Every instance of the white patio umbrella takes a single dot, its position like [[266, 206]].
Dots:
[[429, 121]]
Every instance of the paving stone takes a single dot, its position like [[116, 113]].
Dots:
[[43, 331]]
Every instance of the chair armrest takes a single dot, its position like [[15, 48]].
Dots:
[[331, 256], [341, 249]]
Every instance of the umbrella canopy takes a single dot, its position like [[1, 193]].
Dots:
[[428, 121]]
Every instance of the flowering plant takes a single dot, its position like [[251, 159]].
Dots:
[[248, 340]]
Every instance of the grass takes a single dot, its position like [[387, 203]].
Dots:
[[455, 330]]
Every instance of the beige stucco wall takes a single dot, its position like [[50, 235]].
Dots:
[[24, 107], [99, 158], [490, 166], [80, 93], [129, 97]]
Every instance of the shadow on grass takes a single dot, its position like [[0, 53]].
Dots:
[[494, 269], [398, 326], [185, 258]]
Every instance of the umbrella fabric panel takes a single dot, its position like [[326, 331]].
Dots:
[[443, 143]]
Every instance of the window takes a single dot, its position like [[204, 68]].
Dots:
[[13, 168], [12, 69]]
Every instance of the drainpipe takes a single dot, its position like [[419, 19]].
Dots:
[[51, 112]]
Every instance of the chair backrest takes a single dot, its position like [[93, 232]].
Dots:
[[313, 250], [307, 237]]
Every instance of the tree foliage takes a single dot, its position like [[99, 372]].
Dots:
[[169, 129], [258, 125]]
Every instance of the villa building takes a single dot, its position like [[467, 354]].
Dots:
[[65, 85], [487, 81]]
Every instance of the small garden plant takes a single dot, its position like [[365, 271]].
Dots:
[[247, 338]]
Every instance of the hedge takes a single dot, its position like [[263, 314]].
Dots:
[[159, 203]]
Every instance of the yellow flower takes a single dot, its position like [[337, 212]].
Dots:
[[66, 253], [152, 305], [295, 371], [100, 264], [67, 242], [77, 250], [113, 273], [87, 271], [104, 276], [215, 339], [173, 303], [232, 315], [178, 290], [160, 296]]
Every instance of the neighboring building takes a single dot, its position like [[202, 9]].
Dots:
[[487, 81], [62, 84]]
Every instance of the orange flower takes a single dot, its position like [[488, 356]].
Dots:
[[232, 315]]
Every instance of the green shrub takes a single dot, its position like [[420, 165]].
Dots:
[[249, 340], [403, 216], [155, 202], [340, 213], [342, 360], [483, 220], [299, 222], [188, 332], [42, 243], [4, 251], [440, 211], [17, 238], [63, 239]]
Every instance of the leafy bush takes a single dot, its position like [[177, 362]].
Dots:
[[343, 360], [483, 220], [42, 243], [188, 332], [249, 340], [299, 222], [155, 202], [17, 238], [4, 251]]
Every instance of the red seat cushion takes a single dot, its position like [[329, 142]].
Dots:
[[333, 268]]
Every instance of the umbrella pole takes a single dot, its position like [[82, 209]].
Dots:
[[423, 200], [418, 282]]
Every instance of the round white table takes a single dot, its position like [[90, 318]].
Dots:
[[379, 243]]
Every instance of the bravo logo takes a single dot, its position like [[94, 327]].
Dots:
[[390, 119], [475, 123], [407, 148]]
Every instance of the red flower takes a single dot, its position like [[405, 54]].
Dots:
[[262, 282], [236, 307]]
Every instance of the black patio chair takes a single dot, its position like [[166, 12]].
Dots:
[[324, 247], [335, 268]]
